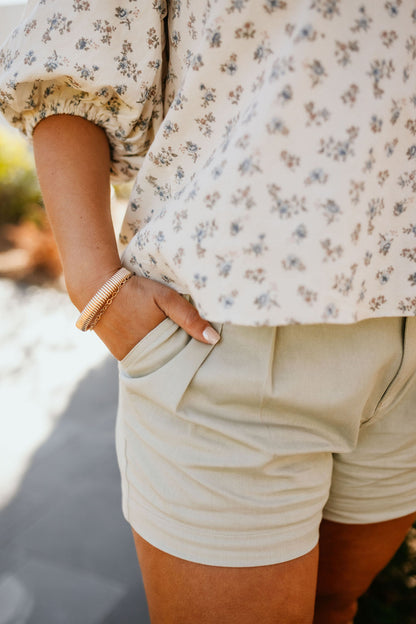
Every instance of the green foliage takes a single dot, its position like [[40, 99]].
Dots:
[[20, 197]]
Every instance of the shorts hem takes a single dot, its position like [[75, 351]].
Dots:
[[243, 549], [371, 517]]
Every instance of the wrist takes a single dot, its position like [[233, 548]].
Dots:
[[82, 287], [101, 301]]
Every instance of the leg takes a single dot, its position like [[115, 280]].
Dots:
[[351, 555], [183, 592]]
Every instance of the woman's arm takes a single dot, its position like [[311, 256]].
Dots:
[[73, 163]]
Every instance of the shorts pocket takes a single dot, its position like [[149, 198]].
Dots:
[[134, 363], [161, 366]]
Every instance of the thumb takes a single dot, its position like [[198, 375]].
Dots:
[[186, 315]]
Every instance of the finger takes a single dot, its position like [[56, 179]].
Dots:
[[186, 315]]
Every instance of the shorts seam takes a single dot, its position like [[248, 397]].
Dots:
[[268, 378], [386, 400], [127, 480]]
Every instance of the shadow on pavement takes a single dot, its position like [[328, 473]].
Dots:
[[67, 554]]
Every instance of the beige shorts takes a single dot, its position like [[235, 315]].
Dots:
[[231, 455]]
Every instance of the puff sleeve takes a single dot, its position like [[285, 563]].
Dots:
[[100, 59]]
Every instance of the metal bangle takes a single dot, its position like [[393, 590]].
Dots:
[[94, 309]]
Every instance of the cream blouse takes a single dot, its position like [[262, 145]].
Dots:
[[273, 143]]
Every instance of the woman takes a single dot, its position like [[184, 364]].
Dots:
[[273, 148]]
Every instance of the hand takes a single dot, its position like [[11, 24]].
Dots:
[[139, 307]]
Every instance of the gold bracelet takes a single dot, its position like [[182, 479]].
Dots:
[[96, 307]]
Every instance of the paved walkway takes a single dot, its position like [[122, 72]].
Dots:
[[66, 553]]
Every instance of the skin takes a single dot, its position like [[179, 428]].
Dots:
[[182, 592], [350, 556], [73, 162], [75, 185]]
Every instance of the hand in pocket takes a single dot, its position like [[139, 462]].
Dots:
[[139, 307]]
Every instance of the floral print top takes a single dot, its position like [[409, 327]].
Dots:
[[273, 143]]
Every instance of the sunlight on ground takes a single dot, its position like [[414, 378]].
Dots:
[[43, 357]]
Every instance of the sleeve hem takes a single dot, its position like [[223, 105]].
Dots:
[[129, 137]]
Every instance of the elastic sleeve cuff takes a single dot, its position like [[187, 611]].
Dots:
[[129, 136]]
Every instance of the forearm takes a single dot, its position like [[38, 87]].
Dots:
[[73, 164]]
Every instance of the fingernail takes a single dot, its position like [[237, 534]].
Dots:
[[211, 335]]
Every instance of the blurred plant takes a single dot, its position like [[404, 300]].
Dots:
[[27, 248], [123, 190], [391, 599], [20, 197]]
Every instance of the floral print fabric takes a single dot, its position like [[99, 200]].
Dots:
[[273, 143], [82, 58]]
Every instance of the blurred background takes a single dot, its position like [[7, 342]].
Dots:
[[66, 554]]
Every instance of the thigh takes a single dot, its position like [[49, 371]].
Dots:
[[351, 555], [184, 592]]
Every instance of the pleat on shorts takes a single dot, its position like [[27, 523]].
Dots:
[[231, 454]]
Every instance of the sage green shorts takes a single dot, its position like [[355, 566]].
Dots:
[[231, 455]]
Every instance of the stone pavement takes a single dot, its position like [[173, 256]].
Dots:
[[66, 553]]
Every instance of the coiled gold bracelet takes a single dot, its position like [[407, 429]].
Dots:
[[96, 307]]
